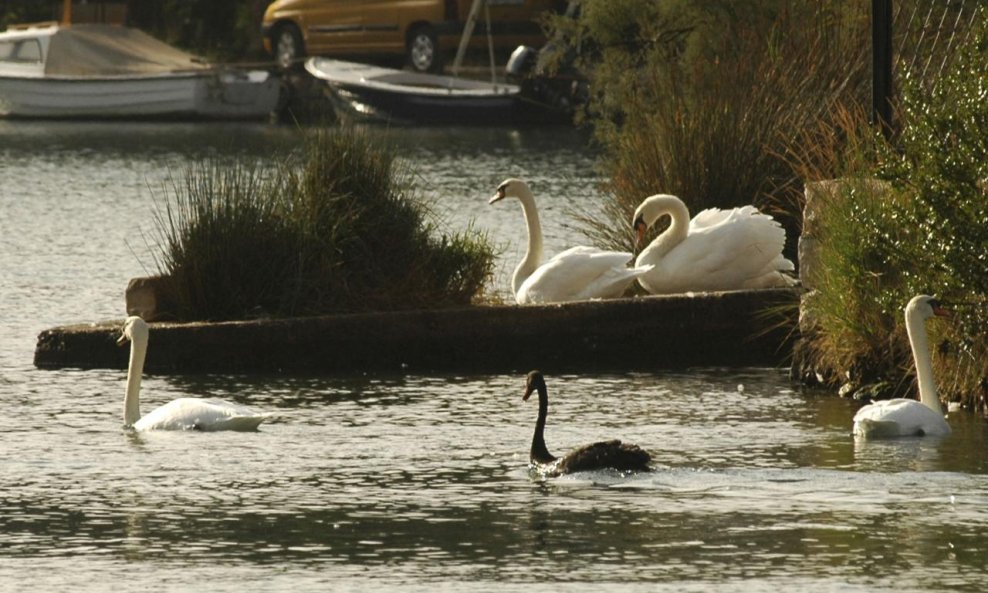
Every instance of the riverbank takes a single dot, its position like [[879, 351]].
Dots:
[[647, 333]]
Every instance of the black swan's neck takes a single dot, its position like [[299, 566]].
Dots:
[[539, 452]]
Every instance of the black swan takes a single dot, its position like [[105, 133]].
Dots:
[[602, 455]]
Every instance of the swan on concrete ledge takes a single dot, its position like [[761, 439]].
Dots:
[[186, 413], [577, 274], [597, 456], [907, 417], [719, 249]]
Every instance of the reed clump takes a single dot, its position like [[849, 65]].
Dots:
[[335, 227]]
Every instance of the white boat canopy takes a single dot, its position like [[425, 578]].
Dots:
[[108, 50]]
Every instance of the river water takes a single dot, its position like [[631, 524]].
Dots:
[[420, 483]]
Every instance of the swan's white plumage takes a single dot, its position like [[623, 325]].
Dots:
[[579, 273], [898, 418], [718, 249], [186, 413], [191, 413], [907, 417]]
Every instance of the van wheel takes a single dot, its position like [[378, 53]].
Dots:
[[423, 49], [288, 46]]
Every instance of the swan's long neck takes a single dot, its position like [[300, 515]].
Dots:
[[674, 235], [916, 330], [539, 451], [135, 369], [533, 256]]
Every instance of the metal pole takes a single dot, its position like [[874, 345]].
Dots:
[[465, 37], [881, 70]]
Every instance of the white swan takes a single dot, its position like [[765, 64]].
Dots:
[[717, 250], [186, 413], [577, 274], [908, 417]]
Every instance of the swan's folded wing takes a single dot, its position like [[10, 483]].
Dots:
[[611, 454], [743, 244], [578, 273]]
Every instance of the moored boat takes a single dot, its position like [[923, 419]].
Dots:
[[108, 71], [399, 96]]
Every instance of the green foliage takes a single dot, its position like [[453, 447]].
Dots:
[[334, 229], [924, 231]]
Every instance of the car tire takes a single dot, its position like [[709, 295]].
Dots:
[[287, 46], [423, 50]]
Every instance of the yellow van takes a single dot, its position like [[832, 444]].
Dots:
[[419, 30]]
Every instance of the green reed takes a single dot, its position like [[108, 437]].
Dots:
[[334, 227]]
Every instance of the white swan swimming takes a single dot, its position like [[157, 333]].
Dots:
[[908, 417], [186, 413], [717, 250], [577, 274]]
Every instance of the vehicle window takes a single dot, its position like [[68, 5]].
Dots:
[[22, 50]]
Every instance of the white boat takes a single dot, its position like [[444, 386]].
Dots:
[[107, 71], [375, 92]]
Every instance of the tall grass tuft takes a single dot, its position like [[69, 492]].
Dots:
[[226, 249], [335, 228]]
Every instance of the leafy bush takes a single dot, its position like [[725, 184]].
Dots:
[[334, 228], [925, 232]]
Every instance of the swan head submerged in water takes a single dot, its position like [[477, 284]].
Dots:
[[908, 417], [597, 456], [185, 413]]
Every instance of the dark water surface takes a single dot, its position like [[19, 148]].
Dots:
[[416, 482]]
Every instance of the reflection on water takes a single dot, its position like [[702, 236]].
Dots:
[[426, 478], [413, 482]]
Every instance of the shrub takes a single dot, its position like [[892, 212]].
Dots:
[[927, 232], [334, 228]]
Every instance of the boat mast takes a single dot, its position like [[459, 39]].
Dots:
[[465, 37], [468, 27]]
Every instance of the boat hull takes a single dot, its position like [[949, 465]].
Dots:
[[371, 92], [214, 95]]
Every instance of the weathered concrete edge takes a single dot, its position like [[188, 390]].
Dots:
[[659, 332]]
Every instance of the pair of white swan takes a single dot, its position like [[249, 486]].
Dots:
[[186, 413], [907, 417], [577, 274], [717, 250]]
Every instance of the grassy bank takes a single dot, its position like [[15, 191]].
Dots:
[[335, 227]]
